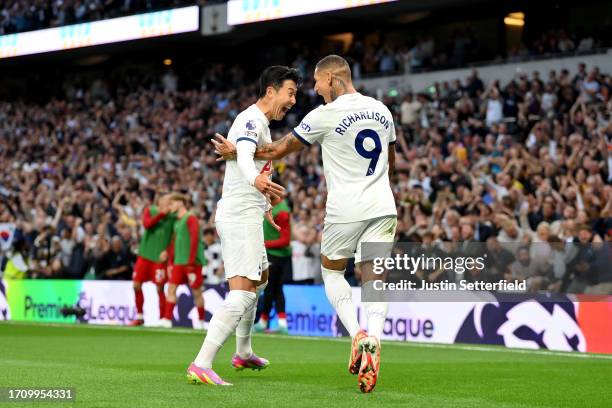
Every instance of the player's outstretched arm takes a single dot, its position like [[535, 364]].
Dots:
[[280, 148], [271, 151]]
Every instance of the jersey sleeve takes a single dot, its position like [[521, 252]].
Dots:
[[312, 128], [149, 221], [245, 152], [246, 143], [392, 137], [251, 132]]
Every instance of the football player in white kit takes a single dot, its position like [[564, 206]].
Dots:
[[357, 135], [239, 223]]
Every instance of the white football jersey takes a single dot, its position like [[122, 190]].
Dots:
[[241, 202], [354, 132]]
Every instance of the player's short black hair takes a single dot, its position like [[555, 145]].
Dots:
[[275, 75], [208, 230]]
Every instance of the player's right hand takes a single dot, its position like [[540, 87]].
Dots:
[[266, 186], [163, 257], [224, 148]]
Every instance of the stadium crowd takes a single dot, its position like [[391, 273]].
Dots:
[[427, 52], [405, 53], [527, 162]]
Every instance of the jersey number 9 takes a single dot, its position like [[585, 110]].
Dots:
[[373, 154]]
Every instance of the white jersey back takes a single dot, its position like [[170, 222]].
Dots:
[[241, 202], [354, 132]]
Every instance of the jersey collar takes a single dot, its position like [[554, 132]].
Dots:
[[347, 96], [260, 113]]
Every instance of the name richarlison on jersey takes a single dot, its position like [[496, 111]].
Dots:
[[356, 117]]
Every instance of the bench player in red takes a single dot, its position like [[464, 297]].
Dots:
[[186, 260], [151, 262]]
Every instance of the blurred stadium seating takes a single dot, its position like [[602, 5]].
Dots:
[[85, 145]]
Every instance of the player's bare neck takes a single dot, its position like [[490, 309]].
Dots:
[[181, 213], [265, 108], [341, 87]]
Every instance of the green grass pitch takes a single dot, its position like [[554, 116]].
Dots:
[[139, 367]]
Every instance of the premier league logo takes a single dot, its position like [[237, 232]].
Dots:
[[525, 324], [250, 125]]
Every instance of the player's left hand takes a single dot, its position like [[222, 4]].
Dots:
[[224, 148], [270, 219]]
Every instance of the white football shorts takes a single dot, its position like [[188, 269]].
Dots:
[[243, 249], [344, 240]]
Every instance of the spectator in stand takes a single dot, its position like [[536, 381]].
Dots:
[[589, 87], [18, 266], [603, 260], [493, 106], [306, 252], [498, 260], [523, 269], [565, 43], [581, 272], [214, 273], [410, 110], [116, 262], [387, 63]]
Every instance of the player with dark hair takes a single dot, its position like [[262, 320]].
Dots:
[[247, 189], [357, 135], [150, 265], [186, 260]]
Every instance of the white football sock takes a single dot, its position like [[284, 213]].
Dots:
[[223, 324], [376, 313], [340, 296], [245, 326]]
